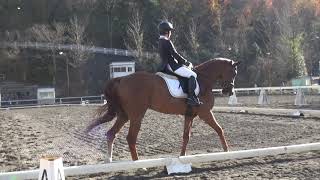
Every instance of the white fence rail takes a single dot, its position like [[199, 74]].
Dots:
[[269, 111], [199, 158], [58, 101], [99, 99], [280, 89], [90, 49]]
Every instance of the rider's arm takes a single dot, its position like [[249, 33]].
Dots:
[[176, 55]]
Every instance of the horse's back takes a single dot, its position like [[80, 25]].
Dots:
[[138, 80], [137, 88]]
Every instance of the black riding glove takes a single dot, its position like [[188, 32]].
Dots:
[[187, 63]]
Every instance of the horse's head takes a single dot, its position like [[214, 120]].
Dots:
[[218, 69], [227, 77]]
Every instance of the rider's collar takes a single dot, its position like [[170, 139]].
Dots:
[[164, 37]]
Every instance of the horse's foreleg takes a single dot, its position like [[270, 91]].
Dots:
[[111, 135], [186, 134], [209, 118], [134, 129]]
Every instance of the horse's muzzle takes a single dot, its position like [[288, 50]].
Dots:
[[227, 88], [227, 91]]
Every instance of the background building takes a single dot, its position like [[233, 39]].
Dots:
[[118, 69]]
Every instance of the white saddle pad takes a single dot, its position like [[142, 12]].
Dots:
[[174, 86]]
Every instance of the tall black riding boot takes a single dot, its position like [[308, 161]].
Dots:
[[192, 99]]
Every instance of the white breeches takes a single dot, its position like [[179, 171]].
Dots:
[[184, 72]]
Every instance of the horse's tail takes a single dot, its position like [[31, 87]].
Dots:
[[111, 95], [108, 111]]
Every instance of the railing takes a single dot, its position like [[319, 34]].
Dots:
[[91, 49], [178, 162], [57, 101], [100, 99], [274, 90]]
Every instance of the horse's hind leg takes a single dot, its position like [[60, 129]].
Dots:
[[186, 134], [132, 138], [209, 118], [134, 129], [111, 134]]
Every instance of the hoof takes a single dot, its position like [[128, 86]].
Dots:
[[143, 169]]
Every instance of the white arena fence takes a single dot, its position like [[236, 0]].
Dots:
[[90, 49], [199, 158], [284, 95], [58, 101], [279, 97], [281, 90]]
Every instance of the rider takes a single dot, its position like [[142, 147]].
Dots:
[[174, 62]]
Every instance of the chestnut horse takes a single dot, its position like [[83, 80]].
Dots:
[[130, 96]]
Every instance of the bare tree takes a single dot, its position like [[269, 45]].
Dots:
[[51, 34], [11, 63], [11, 36], [217, 8], [88, 4], [135, 34], [77, 36], [193, 37], [110, 4]]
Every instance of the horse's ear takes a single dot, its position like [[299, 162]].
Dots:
[[236, 63]]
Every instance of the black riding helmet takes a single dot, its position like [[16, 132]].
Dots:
[[164, 27]]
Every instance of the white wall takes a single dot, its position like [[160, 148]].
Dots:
[[119, 69], [46, 95]]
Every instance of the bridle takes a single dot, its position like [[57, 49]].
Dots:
[[228, 84]]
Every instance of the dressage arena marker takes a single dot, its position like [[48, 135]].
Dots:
[[300, 100], [51, 168], [263, 98], [233, 99], [199, 158]]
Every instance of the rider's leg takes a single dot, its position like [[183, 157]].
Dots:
[[186, 72], [192, 98]]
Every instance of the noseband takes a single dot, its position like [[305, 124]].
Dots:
[[227, 85]]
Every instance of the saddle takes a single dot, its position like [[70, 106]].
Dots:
[[177, 85]]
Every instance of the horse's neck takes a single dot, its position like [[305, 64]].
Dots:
[[208, 76], [211, 72]]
